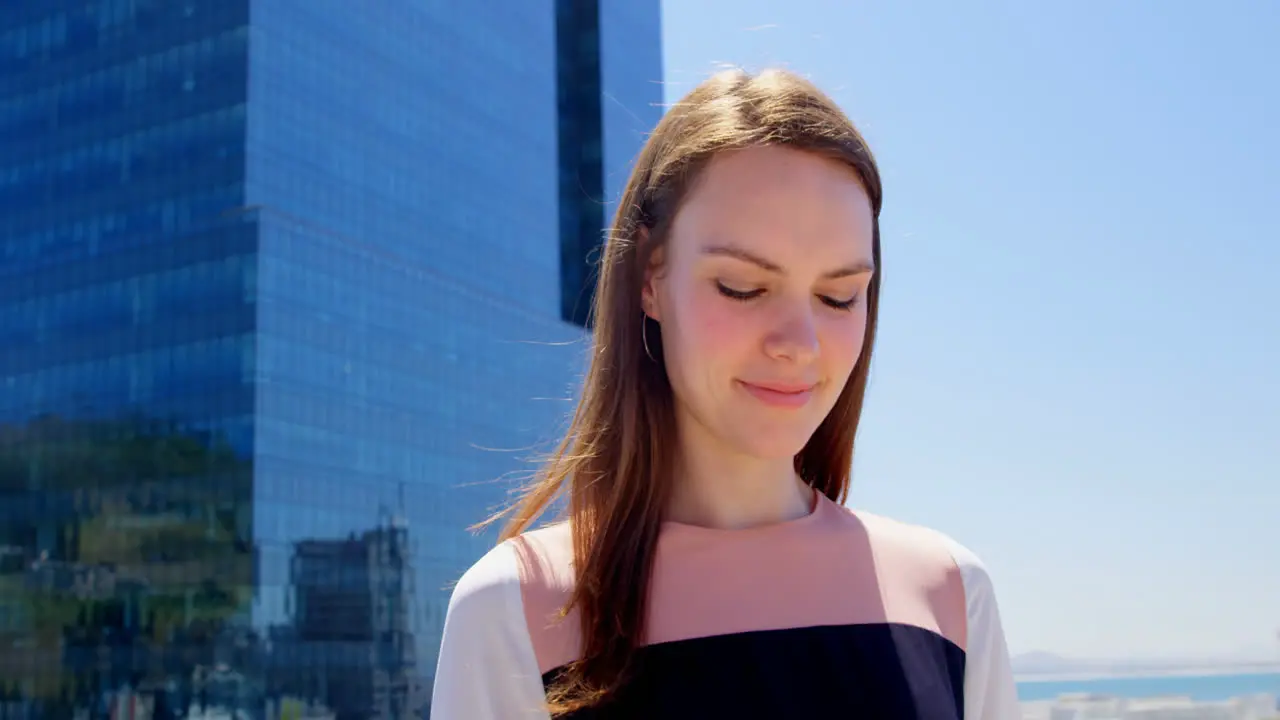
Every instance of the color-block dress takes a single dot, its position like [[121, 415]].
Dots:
[[838, 614]]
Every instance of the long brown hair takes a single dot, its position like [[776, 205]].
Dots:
[[615, 462]]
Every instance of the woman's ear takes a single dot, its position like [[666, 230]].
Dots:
[[649, 289]]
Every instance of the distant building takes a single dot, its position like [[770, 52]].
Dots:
[[352, 641], [1101, 707]]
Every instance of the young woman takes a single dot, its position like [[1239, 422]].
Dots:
[[707, 567]]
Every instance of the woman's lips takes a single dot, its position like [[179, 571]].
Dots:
[[783, 395]]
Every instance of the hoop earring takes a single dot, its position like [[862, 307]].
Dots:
[[644, 337]]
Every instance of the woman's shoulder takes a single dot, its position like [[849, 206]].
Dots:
[[921, 544], [533, 560], [511, 599], [989, 690], [931, 559], [489, 660], [487, 591]]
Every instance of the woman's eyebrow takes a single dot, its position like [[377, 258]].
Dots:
[[737, 253]]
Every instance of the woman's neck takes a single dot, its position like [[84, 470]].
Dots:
[[718, 488]]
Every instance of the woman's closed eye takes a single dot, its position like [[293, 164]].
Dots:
[[745, 295], [737, 294], [840, 304]]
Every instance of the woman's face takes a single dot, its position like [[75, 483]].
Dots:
[[760, 292]]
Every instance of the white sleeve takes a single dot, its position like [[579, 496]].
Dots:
[[487, 669], [989, 689]]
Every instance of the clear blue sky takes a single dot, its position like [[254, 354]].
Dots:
[[1079, 368]]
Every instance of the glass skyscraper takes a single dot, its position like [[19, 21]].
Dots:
[[290, 293]]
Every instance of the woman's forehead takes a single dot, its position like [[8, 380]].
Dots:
[[778, 205]]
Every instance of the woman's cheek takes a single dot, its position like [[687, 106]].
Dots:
[[717, 322], [842, 341]]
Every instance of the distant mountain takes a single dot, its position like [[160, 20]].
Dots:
[[1047, 663], [1043, 663]]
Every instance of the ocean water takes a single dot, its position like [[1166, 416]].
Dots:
[[1198, 687]]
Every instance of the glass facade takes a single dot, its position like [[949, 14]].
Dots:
[[127, 349], [281, 315], [608, 75]]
